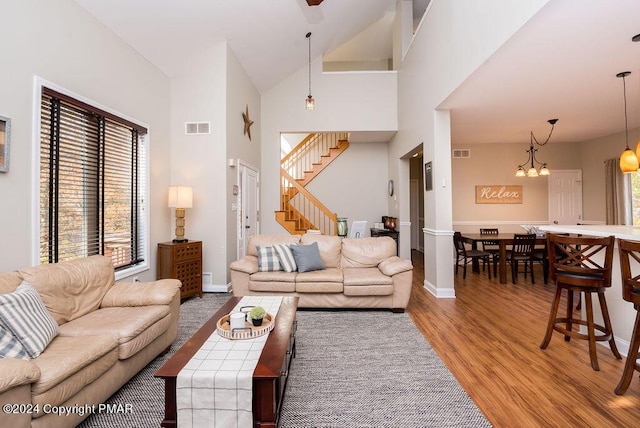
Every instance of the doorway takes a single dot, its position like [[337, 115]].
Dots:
[[416, 199], [249, 205]]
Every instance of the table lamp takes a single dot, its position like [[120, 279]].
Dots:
[[180, 197]]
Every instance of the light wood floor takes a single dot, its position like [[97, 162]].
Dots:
[[489, 337]]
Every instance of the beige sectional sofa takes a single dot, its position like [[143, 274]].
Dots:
[[106, 333], [358, 273]]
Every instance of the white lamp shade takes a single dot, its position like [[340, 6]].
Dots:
[[180, 197]]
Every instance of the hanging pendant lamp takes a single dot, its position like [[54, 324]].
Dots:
[[309, 102], [628, 158]]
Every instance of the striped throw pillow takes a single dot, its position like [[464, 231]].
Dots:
[[285, 256], [10, 347], [267, 259], [24, 315]]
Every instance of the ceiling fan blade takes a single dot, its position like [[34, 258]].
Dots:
[[314, 2]]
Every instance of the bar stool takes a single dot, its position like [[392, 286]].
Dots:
[[631, 293], [575, 265]]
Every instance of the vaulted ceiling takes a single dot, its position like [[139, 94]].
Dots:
[[267, 36], [561, 64]]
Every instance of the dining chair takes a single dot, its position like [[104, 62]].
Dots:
[[465, 255], [492, 247], [540, 256], [630, 250], [521, 251], [582, 264]]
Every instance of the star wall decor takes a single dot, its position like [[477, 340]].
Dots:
[[247, 122]]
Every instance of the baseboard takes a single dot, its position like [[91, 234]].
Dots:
[[440, 293], [622, 345], [216, 288]]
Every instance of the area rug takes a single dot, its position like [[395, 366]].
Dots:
[[370, 369], [352, 369]]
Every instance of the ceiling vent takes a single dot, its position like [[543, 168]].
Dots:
[[461, 153], [197, 128]]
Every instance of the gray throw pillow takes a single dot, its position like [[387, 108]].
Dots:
[[307, 257]]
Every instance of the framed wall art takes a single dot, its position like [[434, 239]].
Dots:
[[5, 137], [428, 176], [498, 194]]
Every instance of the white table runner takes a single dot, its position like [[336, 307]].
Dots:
[[214, 389]]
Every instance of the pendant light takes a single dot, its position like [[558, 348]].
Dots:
[[310, 103], [628, 158]]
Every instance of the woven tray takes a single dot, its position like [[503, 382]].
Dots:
[[250, 331]]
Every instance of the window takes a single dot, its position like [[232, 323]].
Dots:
[[92, 183]]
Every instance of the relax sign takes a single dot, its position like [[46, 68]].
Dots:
[[499, 194]]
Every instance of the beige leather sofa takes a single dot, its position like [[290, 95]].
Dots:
[[107, 332], [359, 273]]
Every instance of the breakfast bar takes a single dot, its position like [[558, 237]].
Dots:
[[622, 313]]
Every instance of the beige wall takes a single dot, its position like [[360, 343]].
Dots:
[[60, 42], [495, 164]]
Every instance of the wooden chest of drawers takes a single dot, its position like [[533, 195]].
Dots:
[[182, 261]]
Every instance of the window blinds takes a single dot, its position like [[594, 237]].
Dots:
[[92, 183]]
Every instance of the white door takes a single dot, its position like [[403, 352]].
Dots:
[[565, 197], [248, 212]]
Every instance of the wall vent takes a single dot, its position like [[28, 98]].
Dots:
[[461, 153], [195, 128]]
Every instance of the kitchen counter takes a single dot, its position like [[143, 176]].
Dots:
[[624, 232]]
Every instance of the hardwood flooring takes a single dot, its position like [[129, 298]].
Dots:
[[489, 337]]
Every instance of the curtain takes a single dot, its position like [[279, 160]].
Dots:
[[618, 194]]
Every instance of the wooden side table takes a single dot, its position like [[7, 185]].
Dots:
[[183, 261]]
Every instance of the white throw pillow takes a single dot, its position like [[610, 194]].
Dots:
[[24, 315], [285, 256]]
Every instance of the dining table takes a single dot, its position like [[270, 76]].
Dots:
[[503, 240]]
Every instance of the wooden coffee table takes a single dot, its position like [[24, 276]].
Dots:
[[269, 376]]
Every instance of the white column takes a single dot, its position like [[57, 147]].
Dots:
[[438, 241]]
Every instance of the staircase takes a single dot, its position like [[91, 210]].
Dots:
[[299, 209]]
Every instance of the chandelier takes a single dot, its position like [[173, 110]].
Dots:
[[532, 160]]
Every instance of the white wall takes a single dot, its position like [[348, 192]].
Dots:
[[213, 88], [355, 184], [60, 42], [454, 39], [357, 101], [241, 93], [199, 95]]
